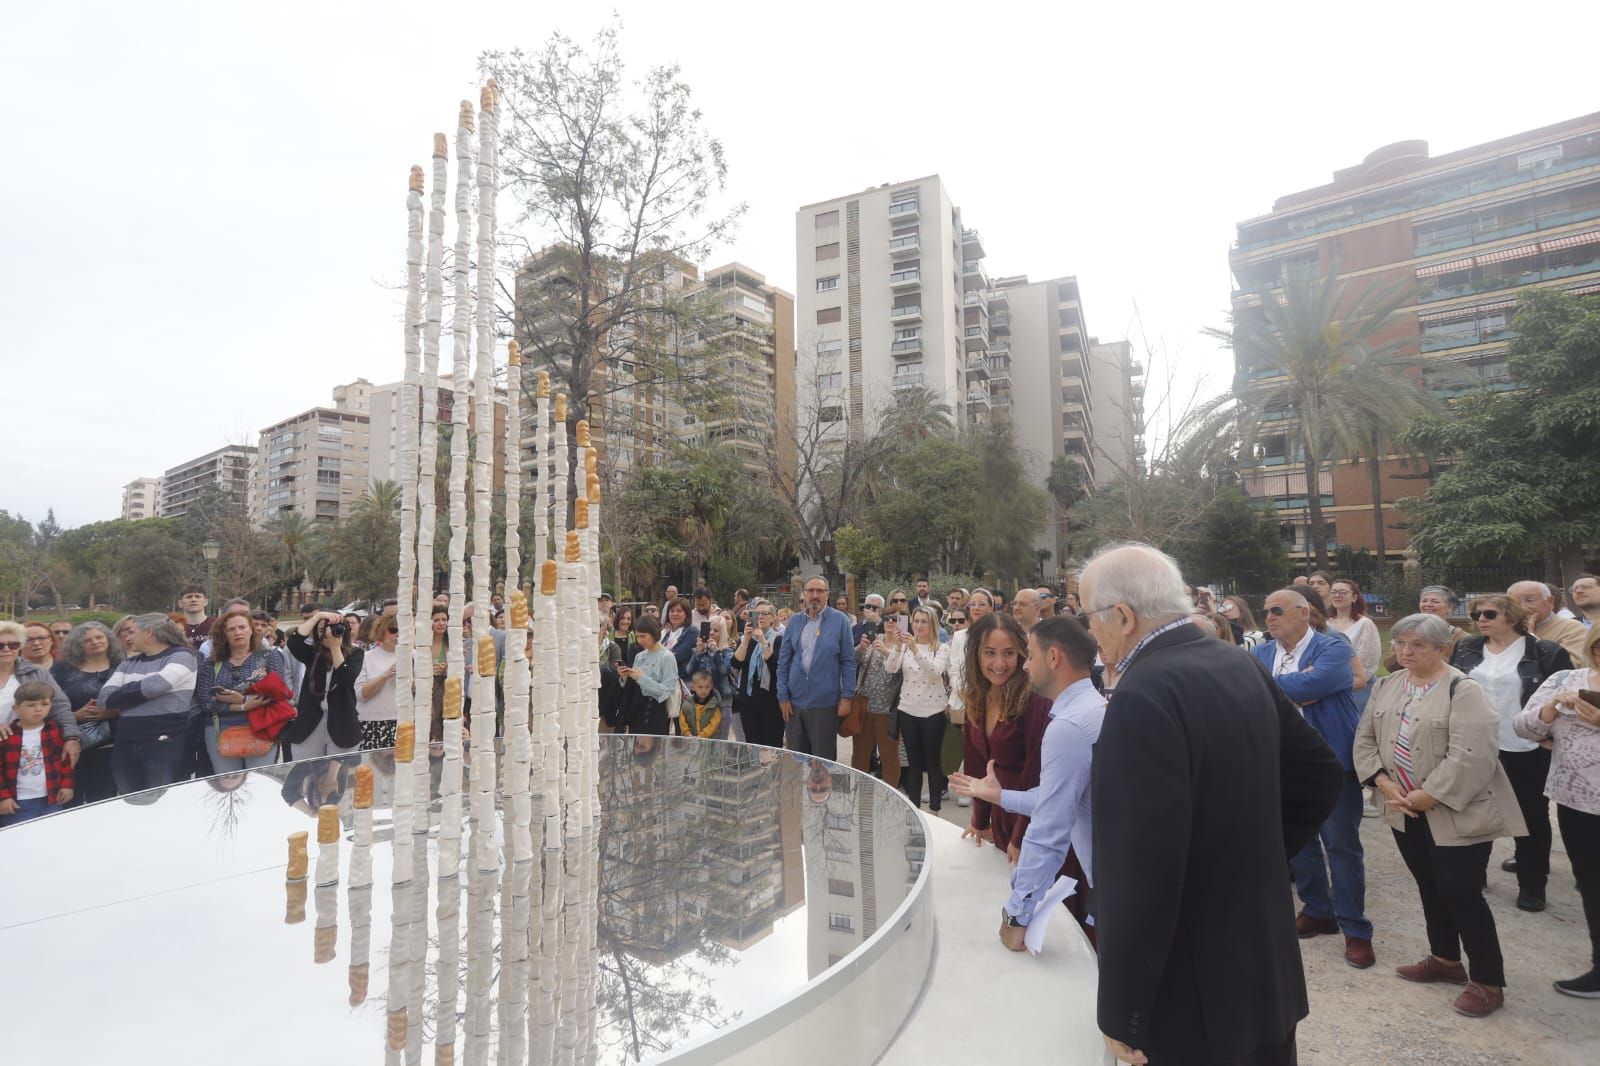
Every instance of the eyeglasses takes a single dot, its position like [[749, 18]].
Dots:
[[1274, 612], [958, 620], [392, 629], [61, 632], [1101, 610], [10, 645], [39, 640], [898, 599], [1488, 614]]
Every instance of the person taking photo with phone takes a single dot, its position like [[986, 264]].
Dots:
[[1566, 710]]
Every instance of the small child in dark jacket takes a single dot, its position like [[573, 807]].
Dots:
[[34, 772], [701, 714]]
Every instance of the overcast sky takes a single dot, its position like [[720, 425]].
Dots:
[[202, 204]]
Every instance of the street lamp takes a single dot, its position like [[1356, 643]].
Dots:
[[210, 550]]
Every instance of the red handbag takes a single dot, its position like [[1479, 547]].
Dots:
[[269, 719]]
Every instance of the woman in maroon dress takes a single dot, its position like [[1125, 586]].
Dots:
[[1005, 723]]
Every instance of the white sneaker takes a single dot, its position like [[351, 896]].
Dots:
[[963, 801]]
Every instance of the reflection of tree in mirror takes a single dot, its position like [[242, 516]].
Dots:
[[227, 801]]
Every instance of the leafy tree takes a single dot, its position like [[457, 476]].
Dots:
[[364, 549], [1236, 543], [1521, 481], [1317, 357], [1009, 511]]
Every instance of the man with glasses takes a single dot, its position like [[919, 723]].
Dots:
[[1313, 669], [816, 673], [1047, 601], [1539, 600], [60, 631], [871, 617], [1204, 777]]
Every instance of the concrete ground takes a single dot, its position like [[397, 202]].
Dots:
[[1372, 1015]]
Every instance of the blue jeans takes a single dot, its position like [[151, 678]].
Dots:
[[137, 765], [1341, 835], [27, 811]]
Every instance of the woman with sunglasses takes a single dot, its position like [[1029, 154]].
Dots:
[[1510, 664], [375, 702], [16, 671]]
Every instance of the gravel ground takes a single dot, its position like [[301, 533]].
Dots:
[[1374, 1016]]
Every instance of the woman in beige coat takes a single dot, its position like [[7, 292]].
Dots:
[[1429, 742]]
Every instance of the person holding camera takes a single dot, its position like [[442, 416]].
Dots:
[[754, 666], [327, 723], [882, 689], [1566, 710]]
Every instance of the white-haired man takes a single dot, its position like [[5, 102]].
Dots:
[[1206, 779], [1540, 602]]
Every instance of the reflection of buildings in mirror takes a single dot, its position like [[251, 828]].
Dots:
[[864, 848]]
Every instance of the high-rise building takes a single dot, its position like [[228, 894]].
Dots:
[[1468, 232], [885, 278], [314, 463], [140, 498], [226, 470], [384, 429], [755, 393], [1116, 381]]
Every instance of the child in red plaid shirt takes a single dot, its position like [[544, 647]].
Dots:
[[34, 772]]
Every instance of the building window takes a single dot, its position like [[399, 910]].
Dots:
[[830, 414], [910, 334], [830, 347], [828, 284], [843, 923], [825, 315], [833, 380], [840, 887], [827, 219], [828, 251]]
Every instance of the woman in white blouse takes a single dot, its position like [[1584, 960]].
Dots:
[[1559, 712], [921, 660], [1347, 613]]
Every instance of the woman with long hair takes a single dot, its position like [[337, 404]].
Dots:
[[221, 697], [920, 657], [622, 618], [1510, 664], [1005, 724], [327, 723], [88, 656], [1347, 614], [1237, 612]]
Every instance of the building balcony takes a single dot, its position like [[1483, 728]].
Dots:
[[972, 244], [905, 279], [904, 211], [998, 299], [999, 371], [906, 349], [1000, 323], [973, 276], [1444, 342], [1510, 280], [977, 366], [906, 382], [1002, 401], [976, 298], [901, 247], [909, 313], [976, 338], [1072, 390], [979, 399]]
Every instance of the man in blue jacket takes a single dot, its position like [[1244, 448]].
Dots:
[[816, 673], [1313, 669]]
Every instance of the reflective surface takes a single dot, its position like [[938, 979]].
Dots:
[[160, 928]]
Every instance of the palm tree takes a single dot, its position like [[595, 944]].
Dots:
[[1316, 357], [1067, 485], [917, 414]]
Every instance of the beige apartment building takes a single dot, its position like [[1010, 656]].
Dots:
[[316, 462], [140, 498], [227, 470]]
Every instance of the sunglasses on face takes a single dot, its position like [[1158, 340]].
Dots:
[[10, 645], [1488, 614], [1274, 612], [958, 620], [898, 599]]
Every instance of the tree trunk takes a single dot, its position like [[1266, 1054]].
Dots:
[[1319, 530], [1378, 539]]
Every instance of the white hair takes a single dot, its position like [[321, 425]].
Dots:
[[1145, 580], [873, 599], [1430, 627]]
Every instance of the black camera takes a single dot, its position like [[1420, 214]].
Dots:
[[338, 629]]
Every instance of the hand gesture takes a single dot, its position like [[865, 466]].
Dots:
[[64, 796], [986, 788]]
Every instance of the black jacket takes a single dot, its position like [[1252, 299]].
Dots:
[[1205, 780], [1540, 659], [344, 727]]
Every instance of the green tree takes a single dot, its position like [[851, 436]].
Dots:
[[1313, 360], [1236, 543], [1521, 482], [1068, 485], [364, 550]]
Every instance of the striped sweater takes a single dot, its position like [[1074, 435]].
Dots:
[[152, 693]]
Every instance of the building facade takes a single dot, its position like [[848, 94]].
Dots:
[[383, 436], [227, 470], [141, 498], [1466, 233], [315, 463]]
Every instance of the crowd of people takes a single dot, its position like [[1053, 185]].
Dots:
[[1228, 749]]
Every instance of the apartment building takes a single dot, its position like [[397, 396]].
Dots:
[[1116, 381], [751, 331], [1467, 233], [140, 498], [227, 470], [315, 463], [383, 436], [883, 279]]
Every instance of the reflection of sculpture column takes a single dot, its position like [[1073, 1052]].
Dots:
[[360, 890], [294, 881], [401, 876], [327, 845], [546, 641], [427, 461], [417, 960], [326, 936]]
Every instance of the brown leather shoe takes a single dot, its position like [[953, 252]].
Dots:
[[1431, 969], [1306, 927], [1479, 1001], [1358, 952]]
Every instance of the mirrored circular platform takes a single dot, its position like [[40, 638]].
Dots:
[[753, 905]]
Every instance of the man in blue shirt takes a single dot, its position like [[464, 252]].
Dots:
[[1060, 658], [816, 673], [1313, 669]]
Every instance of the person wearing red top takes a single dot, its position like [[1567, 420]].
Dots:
[[34, 772], [1005, 723]]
